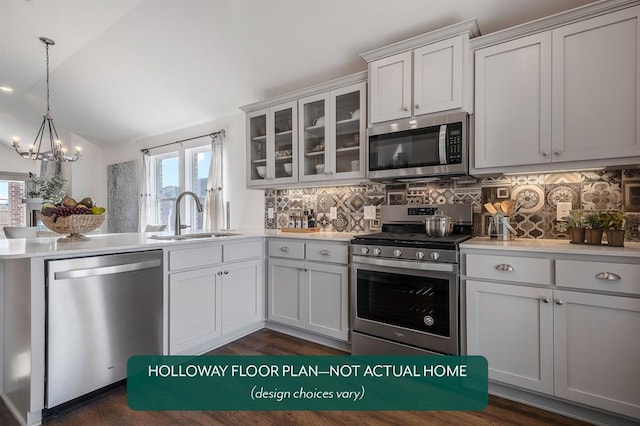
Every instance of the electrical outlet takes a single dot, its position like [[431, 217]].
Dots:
[[333, 213], [270, 212], [563, 209], [369, 212]]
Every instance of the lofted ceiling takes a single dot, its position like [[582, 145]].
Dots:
[[127, 69]]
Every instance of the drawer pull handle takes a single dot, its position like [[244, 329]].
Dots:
[[504, 267], [545, 299], [325, 252], [609, 276], [284, 249], [559, 302]]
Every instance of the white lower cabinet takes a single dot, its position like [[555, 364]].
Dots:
[[596, 350], [556, 339], [241, 295], [512, 327], [309, 295], [209, 302], [193, 317]]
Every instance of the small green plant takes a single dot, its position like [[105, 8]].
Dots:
[[575, 219], [614, 220], [595, 220]]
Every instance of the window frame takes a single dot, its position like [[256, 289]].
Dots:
[[185, 169]]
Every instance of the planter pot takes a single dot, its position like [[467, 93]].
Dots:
[[593, 236], [615, 237], [576, 235]]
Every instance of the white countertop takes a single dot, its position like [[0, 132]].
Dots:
[[630, 249], [102, 243]]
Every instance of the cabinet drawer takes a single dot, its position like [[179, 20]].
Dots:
[[328, 253], [195, 257], [600, 276], [241, 251], [509, 268], [286, 248]]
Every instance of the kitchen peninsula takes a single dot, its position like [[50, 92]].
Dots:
[[216, 286]]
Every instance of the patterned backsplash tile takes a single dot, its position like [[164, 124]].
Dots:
[[538, 194]]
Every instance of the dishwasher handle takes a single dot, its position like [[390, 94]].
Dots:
[[106, 270]]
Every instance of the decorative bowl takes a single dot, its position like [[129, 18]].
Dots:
[[74, 225], [287, 168], [262, 171]]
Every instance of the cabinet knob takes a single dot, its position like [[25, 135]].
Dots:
[[557, 152], [559, 302], [417, 106], [219, 272], [226, 272], [608, 276], [325, 252], [504, 267], [406, 108], [545, 153], [545, 299], [284, 249]]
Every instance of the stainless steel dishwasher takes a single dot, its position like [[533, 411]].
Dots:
[[100, 311]]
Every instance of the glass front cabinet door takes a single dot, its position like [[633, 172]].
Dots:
[[272, 146], [331, 134]]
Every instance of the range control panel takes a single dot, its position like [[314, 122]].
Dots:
[[421, 211]]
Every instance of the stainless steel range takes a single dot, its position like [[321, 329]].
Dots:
[[405, 285]]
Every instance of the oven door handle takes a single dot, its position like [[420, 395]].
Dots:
[[393, 263], [442, 144]]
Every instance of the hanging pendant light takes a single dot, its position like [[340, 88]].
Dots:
[[56, 152]]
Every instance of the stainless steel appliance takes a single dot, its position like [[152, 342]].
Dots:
[[100, 311], [405, 285], [419, 147]]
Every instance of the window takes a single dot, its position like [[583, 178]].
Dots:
[[12, 210], [173, 173]]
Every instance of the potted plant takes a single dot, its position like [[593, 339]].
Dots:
[[46, 191], [614, 226], [575, 222], [595, 222]]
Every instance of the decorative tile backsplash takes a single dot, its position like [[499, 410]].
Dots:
[[538, 194]]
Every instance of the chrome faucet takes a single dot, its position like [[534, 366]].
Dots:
[[178, 225]]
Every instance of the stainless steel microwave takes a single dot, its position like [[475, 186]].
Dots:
[[419, 147]]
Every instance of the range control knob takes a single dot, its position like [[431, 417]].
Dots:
[[377, 251], [435, 255], [397, 252], [365, 250], [420, 255]]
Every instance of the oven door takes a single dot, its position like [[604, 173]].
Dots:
[[407, 302]]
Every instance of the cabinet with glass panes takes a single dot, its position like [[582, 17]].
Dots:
[[332, 133], [311, 135], [272, 145]]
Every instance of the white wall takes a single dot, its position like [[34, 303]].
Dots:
[[10, 161], [247, 206], [86, 177]]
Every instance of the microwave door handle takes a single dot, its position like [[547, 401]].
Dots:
[[442, 144]]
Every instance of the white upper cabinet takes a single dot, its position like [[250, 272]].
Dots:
[[596, 109], [332, 134], [316, 134], [564, 98], [438, 77], [272, 145], [390, 88], [513, 102], [421, 75]]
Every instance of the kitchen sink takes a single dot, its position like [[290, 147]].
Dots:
[[193, 236]]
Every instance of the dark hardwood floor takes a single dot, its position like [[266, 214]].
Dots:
[[111, 408]]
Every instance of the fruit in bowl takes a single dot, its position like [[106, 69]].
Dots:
[[72, 217]]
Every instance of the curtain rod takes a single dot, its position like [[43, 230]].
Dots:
[[213, 135]]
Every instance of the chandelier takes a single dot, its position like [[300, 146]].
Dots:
[[56, 152]]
